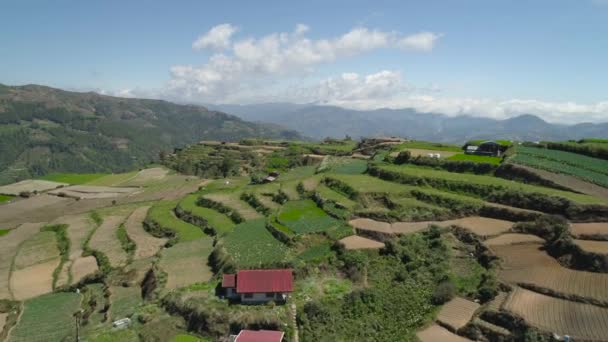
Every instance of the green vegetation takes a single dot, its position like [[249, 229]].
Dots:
[[4, 231], [587, 168], [187, 338], [505, 143], [48, 318], [305, 217], [124, 301], [328, 194], [217, 221], [72, 178], [426, 145], [113, 179], [252, 245], [595, 148], [342, 165], [125, 241], [5, 198], [162, 217], [476, 158]]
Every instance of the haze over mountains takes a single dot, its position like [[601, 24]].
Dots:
[[319, 121]]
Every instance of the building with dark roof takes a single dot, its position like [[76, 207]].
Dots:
[[258, 286]]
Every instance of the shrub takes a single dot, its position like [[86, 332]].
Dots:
[[403, 157], [443, 293]]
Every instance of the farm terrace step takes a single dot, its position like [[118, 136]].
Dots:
[[513, 239], [591, 229], [359, 242], [457, 313], [597, 247], [436, 333]]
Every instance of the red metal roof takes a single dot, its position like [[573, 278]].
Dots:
[[229, 280], [259, 336], [260, 281]]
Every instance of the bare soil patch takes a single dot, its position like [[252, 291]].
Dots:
[[79, 228], [3, 317], [64, 274], [598, 247], [29, 185], [593, 229], [580, 321], [105, 240], [33, 281], [359, 242], [496, 303], [457, 313], [146, 176], [436, 333], [82, 267], [481, 226], [186, 263], [92, 192], [40, 248], [9, 246], [146, 244], [233, 201], [513, 239], [528, 264], [41, 208], [371, 225]]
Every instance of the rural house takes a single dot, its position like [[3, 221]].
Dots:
[[258, 286], [259, 336], [271, 177], [487, 148]]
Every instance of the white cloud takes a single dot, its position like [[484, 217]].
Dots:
[[423, 41], [218, 38]]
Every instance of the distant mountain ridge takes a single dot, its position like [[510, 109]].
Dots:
[[330, 121], [44, 130]]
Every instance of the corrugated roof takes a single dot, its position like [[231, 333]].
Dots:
[[229, 280], [259, 336], [259, 281]]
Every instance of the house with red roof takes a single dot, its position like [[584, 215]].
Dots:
[[258, 286], [259, 336]]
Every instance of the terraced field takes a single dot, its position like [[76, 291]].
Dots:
[[186, 263], [359, 242], [29, 185], [105, 240], [232, 200], [527, 264], [146, 244], [580, 321], [598, 247], [9, 245], [590, 230], [435, 333], [78, 229], [457, 312], [329, 194], [124, 301], [221, 223], [513, 239], [251, 244], [161, 213], [305, 217]]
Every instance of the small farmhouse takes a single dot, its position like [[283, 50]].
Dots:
[[271, 177], [259, 336], [258, 286]]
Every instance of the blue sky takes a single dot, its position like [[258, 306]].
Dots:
[[488, 58]]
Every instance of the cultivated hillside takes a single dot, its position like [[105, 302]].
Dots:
[[50, 130], [330, 121]]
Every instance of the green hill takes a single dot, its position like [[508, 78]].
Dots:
[[45, 130]]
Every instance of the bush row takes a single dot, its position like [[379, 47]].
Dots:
[[519, 174], [195, 220], [253, 201], [460, 166], [211, 204], [593, 151]]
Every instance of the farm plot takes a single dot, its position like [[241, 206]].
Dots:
[[9, 245], [527, 264], [77, 267], [146, 244], [105, 240], [475, 158], [251, 244], [329, 194], [420, 175], [435, 333], [481, 226], [93, 192], [369, 225], [72, 178], [218, 221], [47, 318], [146, 176], [590, 230], [29, 185], [3, 317], [305, 217], [161, 213], [33, 209], [124, 301], [513, 239], [33, 266], [580, 321], [186, 263], [367, 184], [598, 247], [587, 168], [416, 152], [359, 242], [457, 313], [232, 200]]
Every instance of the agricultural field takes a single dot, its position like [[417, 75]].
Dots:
[[30, 186], [105, 240], [162, 214], [580, 321], [597, 247], [220, 222], [436, 332], [427, 145], [328, 194], [47, 318], [591, 230], [6, 198], [9, 246], [232, 200], [305, 217], [146, 245], [72, 178], [124, 301], [476, 158], [513, 239], [186, 263], [457, 312], [251, 244], [586, 168], [359, 242]]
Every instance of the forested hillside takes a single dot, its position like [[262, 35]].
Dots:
[[46, 130]]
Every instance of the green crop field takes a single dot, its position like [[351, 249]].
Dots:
[[48, 318], [220, 222], [587, 168], [4, 231], [162, 214], [124, 301], [73, 178], [426, 145], [422, 173], [251, 244], [305, 217], [343, 165], [329, 194], [5, 198], [114, 179], [476, 158], [365, 183]]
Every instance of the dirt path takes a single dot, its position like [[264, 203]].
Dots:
[[9, 246], [147, 245]]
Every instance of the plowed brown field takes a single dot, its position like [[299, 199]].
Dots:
[[598, 247], [513, 239], [79, 228], [359, 242], [580, 321], [29, 185], [34, 280], [436, 333], [146, 244], [9, 245], [589, 229], [457, 312], [527, 264], [106, 241]]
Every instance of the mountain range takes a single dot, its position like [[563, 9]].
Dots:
[[319, 121], [45, 130]]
